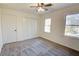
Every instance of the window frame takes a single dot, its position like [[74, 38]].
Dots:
[[47, 25], [72, 35]]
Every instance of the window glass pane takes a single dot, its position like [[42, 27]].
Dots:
[[72, 30], [47, 29], [48, 21], [72, 19]]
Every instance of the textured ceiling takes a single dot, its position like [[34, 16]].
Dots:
[[25, 7]]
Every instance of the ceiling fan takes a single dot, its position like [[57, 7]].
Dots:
[[42, 6]]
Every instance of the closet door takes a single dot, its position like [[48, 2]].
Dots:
[[9, 27], [29, 28]]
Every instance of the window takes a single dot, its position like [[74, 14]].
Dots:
[[47, 25], [72, 25]]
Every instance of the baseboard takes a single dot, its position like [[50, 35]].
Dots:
[[20, 40], [30, 37]]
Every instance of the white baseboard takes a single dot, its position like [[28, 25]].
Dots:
[[22, 39]]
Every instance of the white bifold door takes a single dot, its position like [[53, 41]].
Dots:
[[29, 28], [9, 28]]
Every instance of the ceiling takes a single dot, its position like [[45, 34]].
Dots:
[[25, 7]]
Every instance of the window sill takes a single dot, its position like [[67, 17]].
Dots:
[[72, 36]]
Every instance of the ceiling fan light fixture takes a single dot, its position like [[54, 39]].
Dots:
[[40, 9]]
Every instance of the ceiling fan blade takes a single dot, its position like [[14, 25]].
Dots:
[[42, 4], [34, 6], [47, 5]]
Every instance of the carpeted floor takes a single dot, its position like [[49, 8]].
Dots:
[[36, 47]]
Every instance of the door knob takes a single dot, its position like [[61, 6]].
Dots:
[[15, 30]]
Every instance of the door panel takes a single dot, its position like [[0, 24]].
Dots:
[[29, 28], [10, 28]]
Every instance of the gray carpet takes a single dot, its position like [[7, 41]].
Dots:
[[34, 47]]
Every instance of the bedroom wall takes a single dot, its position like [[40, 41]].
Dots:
[[58, 27], [1, 43], [23, 20]]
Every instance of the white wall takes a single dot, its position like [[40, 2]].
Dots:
[[22, 25], [1, 43], [58, 27]]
